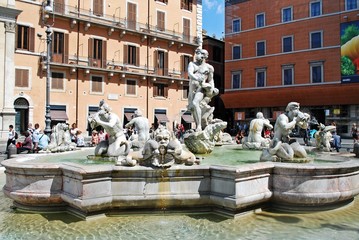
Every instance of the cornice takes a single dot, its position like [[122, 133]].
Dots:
[[8, 13]]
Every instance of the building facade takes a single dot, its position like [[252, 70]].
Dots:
[[131, 53], [8, 15], [282, 51], [215, 48]]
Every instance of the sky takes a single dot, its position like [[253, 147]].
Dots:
[[213, 17]]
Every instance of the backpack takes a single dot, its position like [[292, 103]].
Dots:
[[16, 135]]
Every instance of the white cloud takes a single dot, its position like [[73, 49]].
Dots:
[[219, 9], [209, 4]]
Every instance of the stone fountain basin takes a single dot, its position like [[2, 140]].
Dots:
[[87, 190]]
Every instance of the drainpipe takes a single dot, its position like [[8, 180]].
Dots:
[[77, 62], [147, 59]]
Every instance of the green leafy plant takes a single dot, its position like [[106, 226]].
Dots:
[[347, 67], [350, 32]]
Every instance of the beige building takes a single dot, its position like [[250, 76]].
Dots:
[[8, 14], [131, 53]]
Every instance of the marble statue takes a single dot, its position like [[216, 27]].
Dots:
[[142, 127], [60, 139], [163, 150], [201, 91], [323, 137], [282, 147], [204, 141], [255, 139], [114, 146]]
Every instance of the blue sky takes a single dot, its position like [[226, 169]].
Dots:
[[213, 17]]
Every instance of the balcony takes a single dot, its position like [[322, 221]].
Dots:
[[112, 21], [88, 64]]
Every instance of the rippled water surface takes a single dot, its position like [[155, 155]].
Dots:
[[336, 224]]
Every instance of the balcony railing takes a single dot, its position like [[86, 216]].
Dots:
[[84, 62], [88, 15]]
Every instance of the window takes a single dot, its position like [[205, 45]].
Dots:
[[316, 40], [186, 29], [217, 54], [131, 55], [261, 48], [236, 80], [25, 38], [60, 47], [97, 52], [184, 65], [260, 20], [287, 14], [160, 21], [315, 8], [161, 62], [163, 1], [96, 84], [59, 6], [287, 75], [261, 77], [186, 5], [236, 52], [236, 25], [351, 4], [316, 72], [57, 81], [185, 90], [131, 87], [131, 15], [287, 44], [160, 90], [21, 78], [98, 7]]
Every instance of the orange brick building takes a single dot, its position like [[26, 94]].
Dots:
[[282, 51], [132, 53]]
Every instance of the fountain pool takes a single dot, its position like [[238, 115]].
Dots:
[[220, 185], [342, 223]]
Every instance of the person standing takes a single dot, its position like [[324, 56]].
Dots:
[[11, 136], [354, 132], [73, 131], [35, 137]]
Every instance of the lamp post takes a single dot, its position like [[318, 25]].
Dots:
[[47, 130]]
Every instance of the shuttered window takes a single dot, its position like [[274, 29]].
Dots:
[[185, 91], [21, 78], [131, 55], [186, 4], [160, 90], [160, 21], [25, 38], [96, 84], [186, 29], [98, 7], [131, 15], [131, 87], [57, 81]]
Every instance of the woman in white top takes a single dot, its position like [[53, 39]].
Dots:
[[11, 136]]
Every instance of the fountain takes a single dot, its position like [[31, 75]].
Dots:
[[160, 174]]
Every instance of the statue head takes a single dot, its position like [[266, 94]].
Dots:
[[292, 106], [138, 113], [162, 135], [260, 115]]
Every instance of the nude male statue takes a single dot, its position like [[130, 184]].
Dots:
[[201, 85]]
